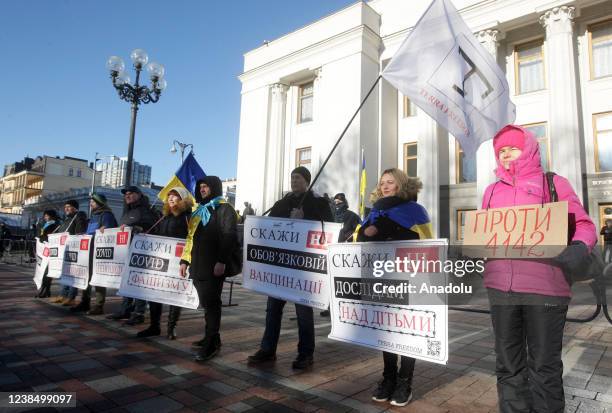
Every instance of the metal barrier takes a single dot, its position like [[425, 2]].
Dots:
[[18, 252], [598, 286]]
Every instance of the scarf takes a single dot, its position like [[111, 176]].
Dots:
[[47, 224], [203, 212]]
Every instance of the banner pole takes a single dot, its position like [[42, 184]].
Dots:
[[343, 133]]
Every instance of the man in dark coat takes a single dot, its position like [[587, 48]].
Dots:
[[346, 217], [102, 217], [313, 208], [48, 225], [75, 223], [211, 242], [140, 217]]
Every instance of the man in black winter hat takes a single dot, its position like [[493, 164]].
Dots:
[[298, 204]]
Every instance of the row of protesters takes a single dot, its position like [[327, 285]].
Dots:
[[75, 223]]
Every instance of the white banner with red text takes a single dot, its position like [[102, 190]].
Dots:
[[75, 271], [402, 309], [287, 258], [57, 245], [152, 273], [42, 261], [111, 249]]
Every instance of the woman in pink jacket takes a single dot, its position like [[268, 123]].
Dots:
[[529, 298]]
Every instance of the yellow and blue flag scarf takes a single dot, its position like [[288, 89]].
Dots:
[[410, 214]]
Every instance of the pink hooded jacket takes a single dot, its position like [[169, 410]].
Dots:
[[523, 184]]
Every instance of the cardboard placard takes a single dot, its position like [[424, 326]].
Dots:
[[523, 231]]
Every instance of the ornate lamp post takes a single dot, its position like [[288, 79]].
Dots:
[[182, 146], [135, 93]]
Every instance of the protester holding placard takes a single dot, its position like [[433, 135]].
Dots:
[[140, 217], [51, 222], [174, 223], [102, 217], [211, 241], [529, 298], [395, 215], [75, 223], [299, 204]]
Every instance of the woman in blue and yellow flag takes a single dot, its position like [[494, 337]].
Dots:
[[396, 216]]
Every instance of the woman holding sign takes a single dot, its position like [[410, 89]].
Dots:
[[529, 298], [174, 223], [396, 216], [50, 223]]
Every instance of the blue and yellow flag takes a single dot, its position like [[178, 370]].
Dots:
[[186, 176], [362, 187]]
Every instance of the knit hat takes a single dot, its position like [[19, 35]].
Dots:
[[509, 135], [301, 170], [182, 192], [100, 199], [52, 214], [72, 203]]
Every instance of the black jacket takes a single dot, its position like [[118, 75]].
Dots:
[[388, 230], [315, 208], [43, 234], [175, 226], [74, 224], [139, 215], [349, 221], [215, 242]]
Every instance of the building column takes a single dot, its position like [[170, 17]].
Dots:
[[564, 130], [432, 169], [276, 143], [485, 158]]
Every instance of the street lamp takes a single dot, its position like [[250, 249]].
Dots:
[[182, 146], [98, 157], [136, 94]]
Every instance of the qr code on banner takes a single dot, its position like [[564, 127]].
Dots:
[[433, 348]]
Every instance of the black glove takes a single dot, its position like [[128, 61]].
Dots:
[[572, 257]]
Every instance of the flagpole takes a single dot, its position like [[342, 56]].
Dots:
[[343, 133]]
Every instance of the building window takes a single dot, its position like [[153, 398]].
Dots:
[[79, 173], [529, 67], [70, 172], [540, 131], [305, 103], [303, 156], [410, 158], [409, 108], [461, 222], [600, 40], [602, 126], [466, 166]]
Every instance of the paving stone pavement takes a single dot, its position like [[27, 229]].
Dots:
[[43, 347]]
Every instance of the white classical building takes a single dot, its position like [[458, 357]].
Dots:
[[299, 91]]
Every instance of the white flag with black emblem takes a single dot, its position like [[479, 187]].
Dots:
[[447, 73]]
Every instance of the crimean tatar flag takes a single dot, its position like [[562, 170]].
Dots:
[[186, 176], [447, 73]]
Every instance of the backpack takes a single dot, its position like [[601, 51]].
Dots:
[[593, 264]]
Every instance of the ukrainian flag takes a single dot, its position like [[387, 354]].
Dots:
[[362, 187], [186, 176]]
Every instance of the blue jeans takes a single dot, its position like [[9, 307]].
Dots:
[[69, 292], [131, 305], [274, 317]]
